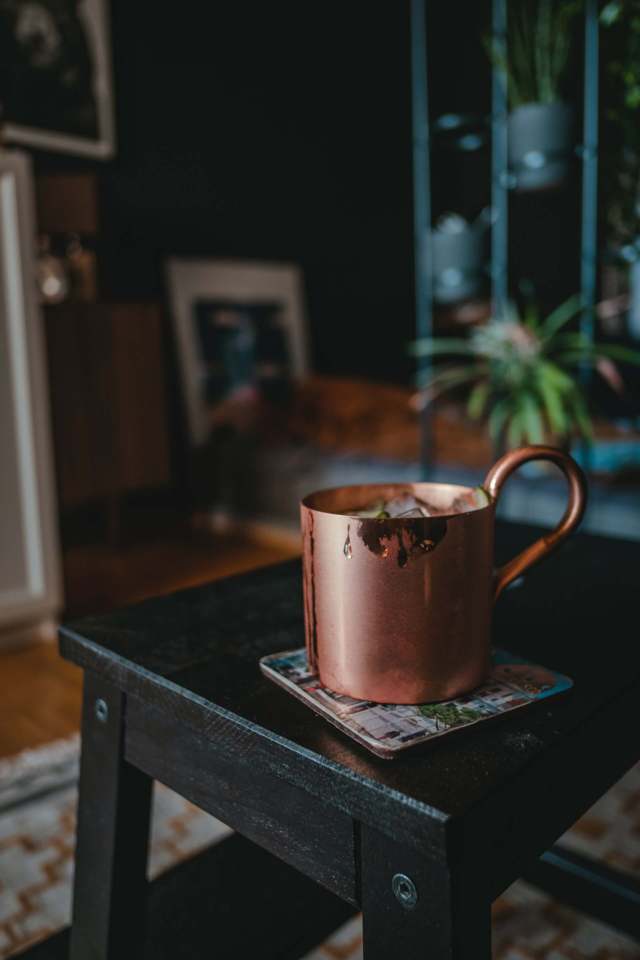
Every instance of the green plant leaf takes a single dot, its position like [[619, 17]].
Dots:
[[610, 13], [575, 358], [450, 378], [574, 340], [498, 418], [588, 355], [531, 417], [521, 72], [560, 378], [531, 317], [559, 317], [515, 431], [542, 43], [453, 373], [441, 346], [553, 405], [613, 351], [581, 414], [478, 399], [539, 43]]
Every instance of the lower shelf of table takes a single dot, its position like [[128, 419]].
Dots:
[[233, 900]]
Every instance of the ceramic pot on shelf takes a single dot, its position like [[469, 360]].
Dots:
[[457, 257], [540, 143], [629, 254]]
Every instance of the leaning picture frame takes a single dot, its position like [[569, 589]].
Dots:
[[254, 291], [56, 84]]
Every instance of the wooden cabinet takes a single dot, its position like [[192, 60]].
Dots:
[[108, 397]]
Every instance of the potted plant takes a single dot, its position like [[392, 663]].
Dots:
[[458, 242], [540, 134], [457, 257], [521, 374], [621, 153]]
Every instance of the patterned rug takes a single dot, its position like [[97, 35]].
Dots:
[[37, 833]]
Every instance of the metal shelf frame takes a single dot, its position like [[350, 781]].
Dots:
[[501, 182]]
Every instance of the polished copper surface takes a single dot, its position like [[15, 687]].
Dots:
[[399, 610], [572, 516]]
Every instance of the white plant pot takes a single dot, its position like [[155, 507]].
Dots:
[[540, 141], [457, 260], [634, 300]]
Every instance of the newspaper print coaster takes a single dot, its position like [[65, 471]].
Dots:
[[387, 729]]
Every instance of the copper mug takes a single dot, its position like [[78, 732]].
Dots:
[[399, 610]]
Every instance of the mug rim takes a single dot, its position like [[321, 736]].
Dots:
[[401, 486]]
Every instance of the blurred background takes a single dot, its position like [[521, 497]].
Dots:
[[259, 249], [250, 250], [223, 234]]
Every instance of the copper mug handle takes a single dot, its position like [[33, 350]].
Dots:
[[576, 479]]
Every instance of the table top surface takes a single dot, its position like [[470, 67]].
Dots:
[[576, 613]]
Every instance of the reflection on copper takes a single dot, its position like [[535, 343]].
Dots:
[[347, 550], [376, 534], [309, 590], [407, 619]]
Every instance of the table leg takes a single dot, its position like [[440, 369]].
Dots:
[[416, 909], [109, 899]]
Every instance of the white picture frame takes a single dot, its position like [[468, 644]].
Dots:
[[30, 576], [95, 20], [244, 282]]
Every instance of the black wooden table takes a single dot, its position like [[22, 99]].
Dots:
[[422, 844]]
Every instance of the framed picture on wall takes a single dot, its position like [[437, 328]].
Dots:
[[240, 328], [56, 90]]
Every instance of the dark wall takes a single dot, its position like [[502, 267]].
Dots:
[[270, 130], [282, 130]]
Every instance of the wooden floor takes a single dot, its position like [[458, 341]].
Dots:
[[39, 692], [39, 698], [99, 578]]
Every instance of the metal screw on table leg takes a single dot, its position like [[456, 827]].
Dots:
[[102, 710], [404, 890]]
